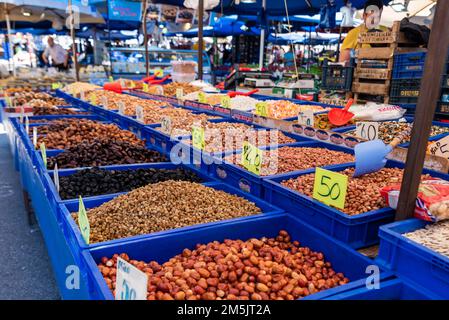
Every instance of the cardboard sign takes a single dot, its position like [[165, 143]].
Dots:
[[83, 221], [330, 187], [440, 148], [251, 158], [367, 130], [145, 87], [131, 283]]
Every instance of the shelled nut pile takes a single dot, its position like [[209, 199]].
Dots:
[[256, 269], [155, 116], [281, 109], [228, 136], [286, 159], [170, 89], [96, 181], [86, 131], [34, 98], [104, 152], [243, 103], [163, 206], [433, 236], [182, 125], [363, 193]]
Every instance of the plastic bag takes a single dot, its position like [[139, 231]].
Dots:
[[432, 202], [377, 112]]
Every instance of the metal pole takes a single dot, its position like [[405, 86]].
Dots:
[[10, 48], [72, 34], [200, 38], [262, 38], [145, 38], [425, 109]]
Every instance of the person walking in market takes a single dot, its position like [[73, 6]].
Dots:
[[372, 12], [59, 56]]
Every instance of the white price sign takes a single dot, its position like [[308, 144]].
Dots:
[[139, 114], [82, 95], [35, 136], [131, 283], [56, 177], [121, 107], [166, 125], [367, 130], [104, 102], [306, 118]]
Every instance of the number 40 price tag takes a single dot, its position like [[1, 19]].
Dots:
[[330, 187], [131, 283], [251, 158]]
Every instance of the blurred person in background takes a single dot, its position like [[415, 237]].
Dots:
[[59, 56]]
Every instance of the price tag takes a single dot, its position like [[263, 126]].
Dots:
[[27, 125], [251, 158], [158, 72], [166, 125], [132, 85], [198, 138], [226, 101], [111, 79], [202, 97], [131, 283], [55, 85], [145, 87], [35, 137], [93, 98], [104, 102], [367, 130], [44, 154], [121, 107], [261, 109], [22, 114], [122, 83], [56, 177], [139, 114], [82, 95], [330, 187], [440, 148], [306, 118], [83, 221], [179, 93]]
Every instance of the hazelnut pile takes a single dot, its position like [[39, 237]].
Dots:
[[83, 130], [170, 89], [163, 206], [256, 269], [363, 193], [286, 159]]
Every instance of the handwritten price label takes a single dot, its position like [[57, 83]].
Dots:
[[139, 114], [226, 101], [83, 221], [440, 147], [166, 125], [251, 158], [121, 107], [306, 118], [145, 87], [198, 138], [131, 283], [82, 96], [179, 93], [367, 130], [330, 187], [158, 73], [93, 99], [55, 85], [104, 102], [202, 97], [262, 109]]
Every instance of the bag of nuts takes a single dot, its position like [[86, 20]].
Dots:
[[432, 202]]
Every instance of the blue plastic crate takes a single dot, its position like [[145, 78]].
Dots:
[[77, 242], [408, 65], [236, 176], [413, 261], [357, 231], [337, 77], [161, 248]]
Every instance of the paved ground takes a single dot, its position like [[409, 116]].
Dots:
[[25, 268]]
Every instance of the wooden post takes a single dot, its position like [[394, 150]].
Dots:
[[200, 38], [145, 38], [425, 110]]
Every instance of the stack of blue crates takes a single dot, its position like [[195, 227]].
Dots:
[[406, 77]]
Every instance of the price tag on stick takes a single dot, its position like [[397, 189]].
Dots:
[[306, 118], [121, 107], [35, 137], [198, 138], [166, 125], [56, 177], [330, 187], [27, 125], [367, 130], [83, 221], [139, 114], [202, 97], [104, 102], [44, 154], [82, 95], [131, 283], [179, 93], [262, 109], [226, 101], [93, 99], [145, 87], [251, 158]]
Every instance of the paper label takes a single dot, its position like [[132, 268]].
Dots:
[[131, 283], [166, 125], [44, 154], [139, 114], [83, 221], [367, 130], [121, 107], [306, 118], [262, 109], [56, 177], [226, 101], [330, 187], [198, 138], [251, 158]]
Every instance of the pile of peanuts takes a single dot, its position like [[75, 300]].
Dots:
[[363, 193], [38, 99], [281, 109], [286, 159], [257, 269], [83, 130], [433, 236], [163, 206], [170, 89], [228, 136]]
